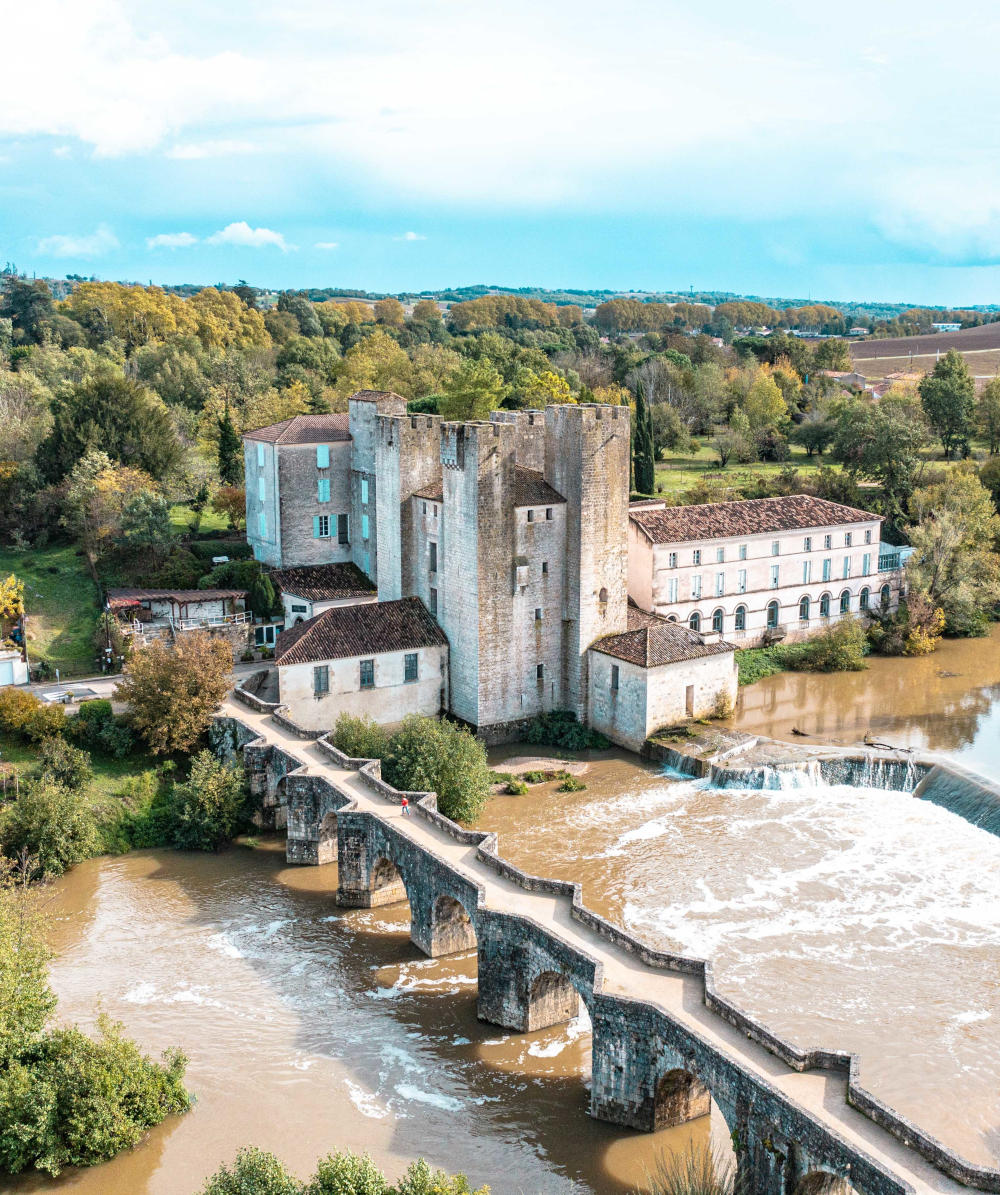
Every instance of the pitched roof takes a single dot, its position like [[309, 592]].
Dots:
[[366, 630], [131, 597], [530, 489], [323, 582], [752, 516], [651, 641], [304, 429]]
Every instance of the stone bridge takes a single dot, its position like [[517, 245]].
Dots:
[[666, 1044]]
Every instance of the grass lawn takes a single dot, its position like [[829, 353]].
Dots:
[[678, 472], [60, 599], [182, 516]]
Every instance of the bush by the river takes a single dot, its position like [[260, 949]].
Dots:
[[66, 1099], [840, 648], [359, 738], [695, 1172], [209, 808], [64, 764], [52, 824], [561, 729], [97, 728], [25, 716], [256, 1172]]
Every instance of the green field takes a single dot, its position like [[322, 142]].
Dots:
[[60, 600], [182, 516], [678, 472], [110, 775]]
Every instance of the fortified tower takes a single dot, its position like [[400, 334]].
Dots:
[[364, 409], [407, 459], [587, 460], [530, 441]]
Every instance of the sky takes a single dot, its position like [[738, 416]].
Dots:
[[840, 151]]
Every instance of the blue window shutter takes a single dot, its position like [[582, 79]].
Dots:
[[322, 456], [323, 489], [260, 455], [315, 526]]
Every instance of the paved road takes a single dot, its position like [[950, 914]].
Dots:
[[681, 997], [104, 686]]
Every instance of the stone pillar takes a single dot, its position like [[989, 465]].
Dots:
[[312, 819], [764, 1156], [440, 925], [367, 878], [514, 991]]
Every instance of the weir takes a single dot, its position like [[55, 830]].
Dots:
[[666, 1045]]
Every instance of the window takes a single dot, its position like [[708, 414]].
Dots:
[[364, 526], [720, 555], [696, 556], [866, 565], [425, 507], [368, 674], [672, 560], [434, 510], [807, 571], [614, 678], [266, 636], [773, 614], [720, 584], [262, 524], [807, 544], [741, 581], [741, 618], [824, 606], [743, 551], [548, 513], [322, 456], [321, 527], [847, 567], [885, 596], [827, 569], [845, 602], [827, 542], [775, 576], [434, 602], [602, 596], [694, 622], [696, 586], [323, 489], [864, 598], [848, 539], [539, 672], [260, 455], [717, 617], [432, 550], [364, 491], [321, 679], [410, 667], [538, 614], [545, 568], [342, 529], [868, 536], [531, 516], [775, 548], [804, 610], [672, 587], [297, 609]]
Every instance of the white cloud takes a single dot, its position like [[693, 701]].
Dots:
[[327, 245], [62, 151], [100, 241], [410, 236], [246, 237], [171, 240], [193, 151]]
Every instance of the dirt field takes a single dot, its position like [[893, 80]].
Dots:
[[984, 363], [986, 336]]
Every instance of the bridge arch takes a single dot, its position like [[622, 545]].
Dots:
[[385, 882], [821, 1182], [680, 1096], [452, 929]]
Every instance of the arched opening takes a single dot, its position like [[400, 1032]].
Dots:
[[386, 885], [885, 594], [680, 1097], [671, 618], [803, 609], [824, 606], [773, 615], [552, 999], [821, 1183], [864, 598], [717, 620], [845, 602], [603, 596], [694, 622], [741, 618], [451, 928]]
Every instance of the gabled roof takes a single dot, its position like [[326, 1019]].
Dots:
[[651, 641], [752, 516], [323, 582], [345, 632], [131, 597], [530, 489], [304, 429]]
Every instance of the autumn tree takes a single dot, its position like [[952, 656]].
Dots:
[[231, 502], [881, 442], [25, 415], [172, 693], [97, 495], [988, 415], [472, 391], [390, 312], [949, 399], [426, 311], [764, 404]]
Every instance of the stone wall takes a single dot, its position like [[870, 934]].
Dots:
[[408, 458]]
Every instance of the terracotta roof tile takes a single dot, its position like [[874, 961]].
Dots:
[[366, 630], [130, 596], [323, 582], [752, 516], [651, 641], [304, 429]]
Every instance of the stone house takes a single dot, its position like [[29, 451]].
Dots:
[[308, 591], [761, 569], [655, 674], [380, 660]]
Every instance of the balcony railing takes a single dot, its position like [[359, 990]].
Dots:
[[211, 620]]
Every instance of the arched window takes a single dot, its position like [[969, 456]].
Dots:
[[804, 610], [717, 618], [741, 618], [886, 596], [671, 618], [864, 598], [845, 602], [773, 614], [824, 606], [694, 622], [602, 596]]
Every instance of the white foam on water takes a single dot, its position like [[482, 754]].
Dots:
[[435, 1099], [142, 993], [365, 1102], [221, 944], [572, 1031]]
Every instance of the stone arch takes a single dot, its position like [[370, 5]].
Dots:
[[845, 601], [602, 597], [452, 927], [680, 1096], [885, 596], [820, 1182], [864, 599], [385, 883], [805, 608], [824, 605], [740, 618], [552, 999]]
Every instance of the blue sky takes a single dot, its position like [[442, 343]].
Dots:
[[770, 148]]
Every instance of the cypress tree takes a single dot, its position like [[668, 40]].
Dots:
[[230, 451], [642, 442]]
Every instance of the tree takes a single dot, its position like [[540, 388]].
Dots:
[[210, 807], [390, 312], [56, 827], [955, 526], [815, 433], [881, 442], [426, 311], [173, 693], [246, 294], [428, 754], [25, 415], [145, 523], [231, 501], [472, 391], [988, 415], [949, 398], [253, 1172], [262, 597], [764, 404], [98, 493], [230, 451], [28, 305], [304, 312], [26, 1000], [112, 414], [642, 444]]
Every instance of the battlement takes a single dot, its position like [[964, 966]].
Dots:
[[412, 430], [476, 439]]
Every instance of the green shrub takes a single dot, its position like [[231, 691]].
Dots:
[[534, 777], [754, 663], [52, 824], [144, 815], [561, 729], [97, 728], [427, 754], [840, 648], [571, 785], [347, 1173], [65, 765], [16, 710], [359, 738], [210, 807], [420, 1179], [254, 1172], [516, 788]]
